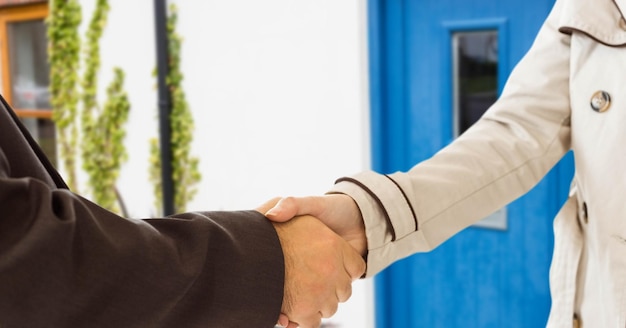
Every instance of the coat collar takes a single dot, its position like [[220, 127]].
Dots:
[[599, 19], [621, 5]]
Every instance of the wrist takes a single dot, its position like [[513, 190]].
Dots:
[[288, 260]]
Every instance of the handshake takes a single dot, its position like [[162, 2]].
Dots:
[[323, 241]]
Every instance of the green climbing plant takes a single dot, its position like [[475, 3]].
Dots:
[[185, 172], [64, 54]]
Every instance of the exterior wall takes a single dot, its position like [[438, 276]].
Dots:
[[278, 89]]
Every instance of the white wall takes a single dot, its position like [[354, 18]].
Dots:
[[278, 89]]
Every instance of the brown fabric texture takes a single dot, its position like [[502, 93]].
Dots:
[[66, 262]]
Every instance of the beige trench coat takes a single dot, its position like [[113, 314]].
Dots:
[[544, 111]]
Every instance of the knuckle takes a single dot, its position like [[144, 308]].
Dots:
[[331, 310], [289, 201], [317, 322], [345, 293], [361, 268]]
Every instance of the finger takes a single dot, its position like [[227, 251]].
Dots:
[[329, 308], [288, 207], [344, 290], [292, 325], [353, 262], [283, 320], [313, 321], [267, 205]]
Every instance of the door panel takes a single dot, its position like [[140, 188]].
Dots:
[[480, 277]]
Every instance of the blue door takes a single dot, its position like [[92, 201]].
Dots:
[[435, 65]]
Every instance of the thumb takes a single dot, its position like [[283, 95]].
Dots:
[[283, 210], [267, 205], [288, 207]]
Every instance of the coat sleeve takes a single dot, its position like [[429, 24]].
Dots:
[[65, 262], [501, 157]]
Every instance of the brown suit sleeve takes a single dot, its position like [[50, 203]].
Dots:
[[65, 262]]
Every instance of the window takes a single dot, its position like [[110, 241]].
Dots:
[[475, 82], [475, 76], [25, 70]]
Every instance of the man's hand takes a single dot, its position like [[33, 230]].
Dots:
[[319, 269], [339, 212]]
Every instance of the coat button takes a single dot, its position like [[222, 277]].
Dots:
[[600, 101]]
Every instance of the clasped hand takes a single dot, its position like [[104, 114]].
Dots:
[[320, 265]]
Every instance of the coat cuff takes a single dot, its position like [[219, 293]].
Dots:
[[390, 220], [248, 279]]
